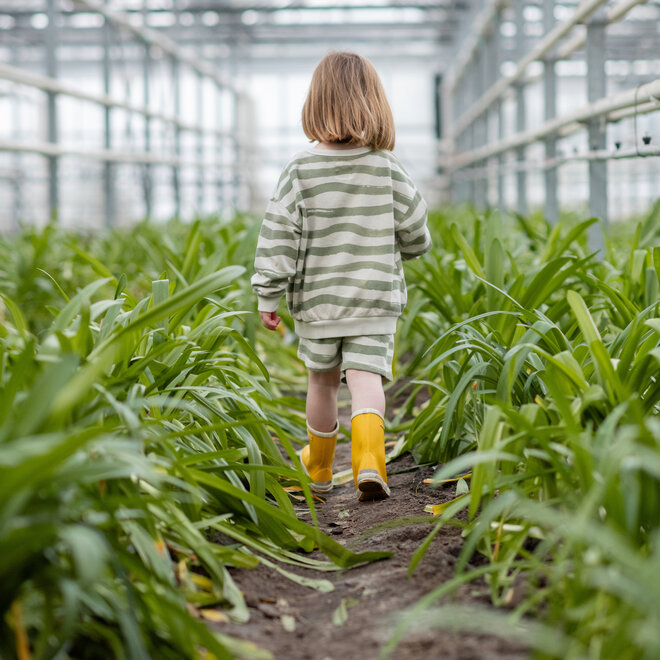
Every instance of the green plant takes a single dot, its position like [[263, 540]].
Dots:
[[544, 369], [137, 455]]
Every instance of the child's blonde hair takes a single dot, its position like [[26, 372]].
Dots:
[[346, 103]]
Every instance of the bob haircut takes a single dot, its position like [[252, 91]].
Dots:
[[346, 103]]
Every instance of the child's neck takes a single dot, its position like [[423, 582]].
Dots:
[[337, 145]]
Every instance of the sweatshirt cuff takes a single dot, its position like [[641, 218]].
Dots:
[[268, 304]]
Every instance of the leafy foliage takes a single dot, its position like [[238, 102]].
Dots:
[[543, 364], [137, 450]]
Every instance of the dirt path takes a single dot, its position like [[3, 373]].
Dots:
[[373, 592]]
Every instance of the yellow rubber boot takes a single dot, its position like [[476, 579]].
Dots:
[[368, 455], [317, 458]]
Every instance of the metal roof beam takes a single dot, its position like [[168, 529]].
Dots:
[[167, 45]]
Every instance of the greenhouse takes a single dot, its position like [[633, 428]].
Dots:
[[330, 328]]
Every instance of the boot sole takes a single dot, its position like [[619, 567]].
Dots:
[[321, 486], [371, 487], [318, 486]]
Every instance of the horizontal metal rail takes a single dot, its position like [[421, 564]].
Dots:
[[647, 95], [106, 155], [570, 129], [641, 109], [46, 84], [539, 165], [538, 53]]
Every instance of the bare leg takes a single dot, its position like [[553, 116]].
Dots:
[[321, 405], [366, 390]]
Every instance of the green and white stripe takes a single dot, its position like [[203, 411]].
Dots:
[[372, 353], [333, 239]]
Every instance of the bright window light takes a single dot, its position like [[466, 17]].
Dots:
[[162, 19], [210, 18], [562, 12], [86, 20], [39, 21], [508, 29], [249, 17], [569, 68], [135, 20], [641, 67], [533, 14], [617, 68], [6, 22], [508, 68], [385, 15], [342, 3]]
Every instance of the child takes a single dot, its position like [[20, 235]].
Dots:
[[343, 216]]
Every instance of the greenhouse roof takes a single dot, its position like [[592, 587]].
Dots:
[[307, 28]]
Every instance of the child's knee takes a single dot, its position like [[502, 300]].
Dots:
[[357, 379], [331, 378]]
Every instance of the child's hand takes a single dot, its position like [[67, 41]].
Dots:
[[270, 320]]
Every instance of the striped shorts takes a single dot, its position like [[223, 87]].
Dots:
[[372, 353]]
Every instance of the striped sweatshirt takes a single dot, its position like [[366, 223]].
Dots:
[[333, 237]]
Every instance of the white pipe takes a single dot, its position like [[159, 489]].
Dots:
[[542, 48], [645, 94], [46, 84], [137, 158], [605, 154], [515, 166], [641, 109], [443, 150]]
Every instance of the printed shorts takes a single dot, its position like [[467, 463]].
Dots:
[[372, 353]]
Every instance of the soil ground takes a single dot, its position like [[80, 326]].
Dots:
[[375, 592]]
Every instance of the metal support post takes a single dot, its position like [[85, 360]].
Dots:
[[550, 102], [200, 143], [176, 92], [176, 169], [470, 143], [466, 135], [521, 175], [455, 146], [236, 111], [437, 107], [473, 129], [218, 146], [597, 127], [501, 197], [477, 125], [483, 83], [442, 120], [108, 168], [521, 110], [237, 153], [16, 158], [53, 124], [147, 181], [496, 62], [456, 139]]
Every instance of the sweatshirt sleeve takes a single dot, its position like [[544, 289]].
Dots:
[[410, 216], [277, 253]]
